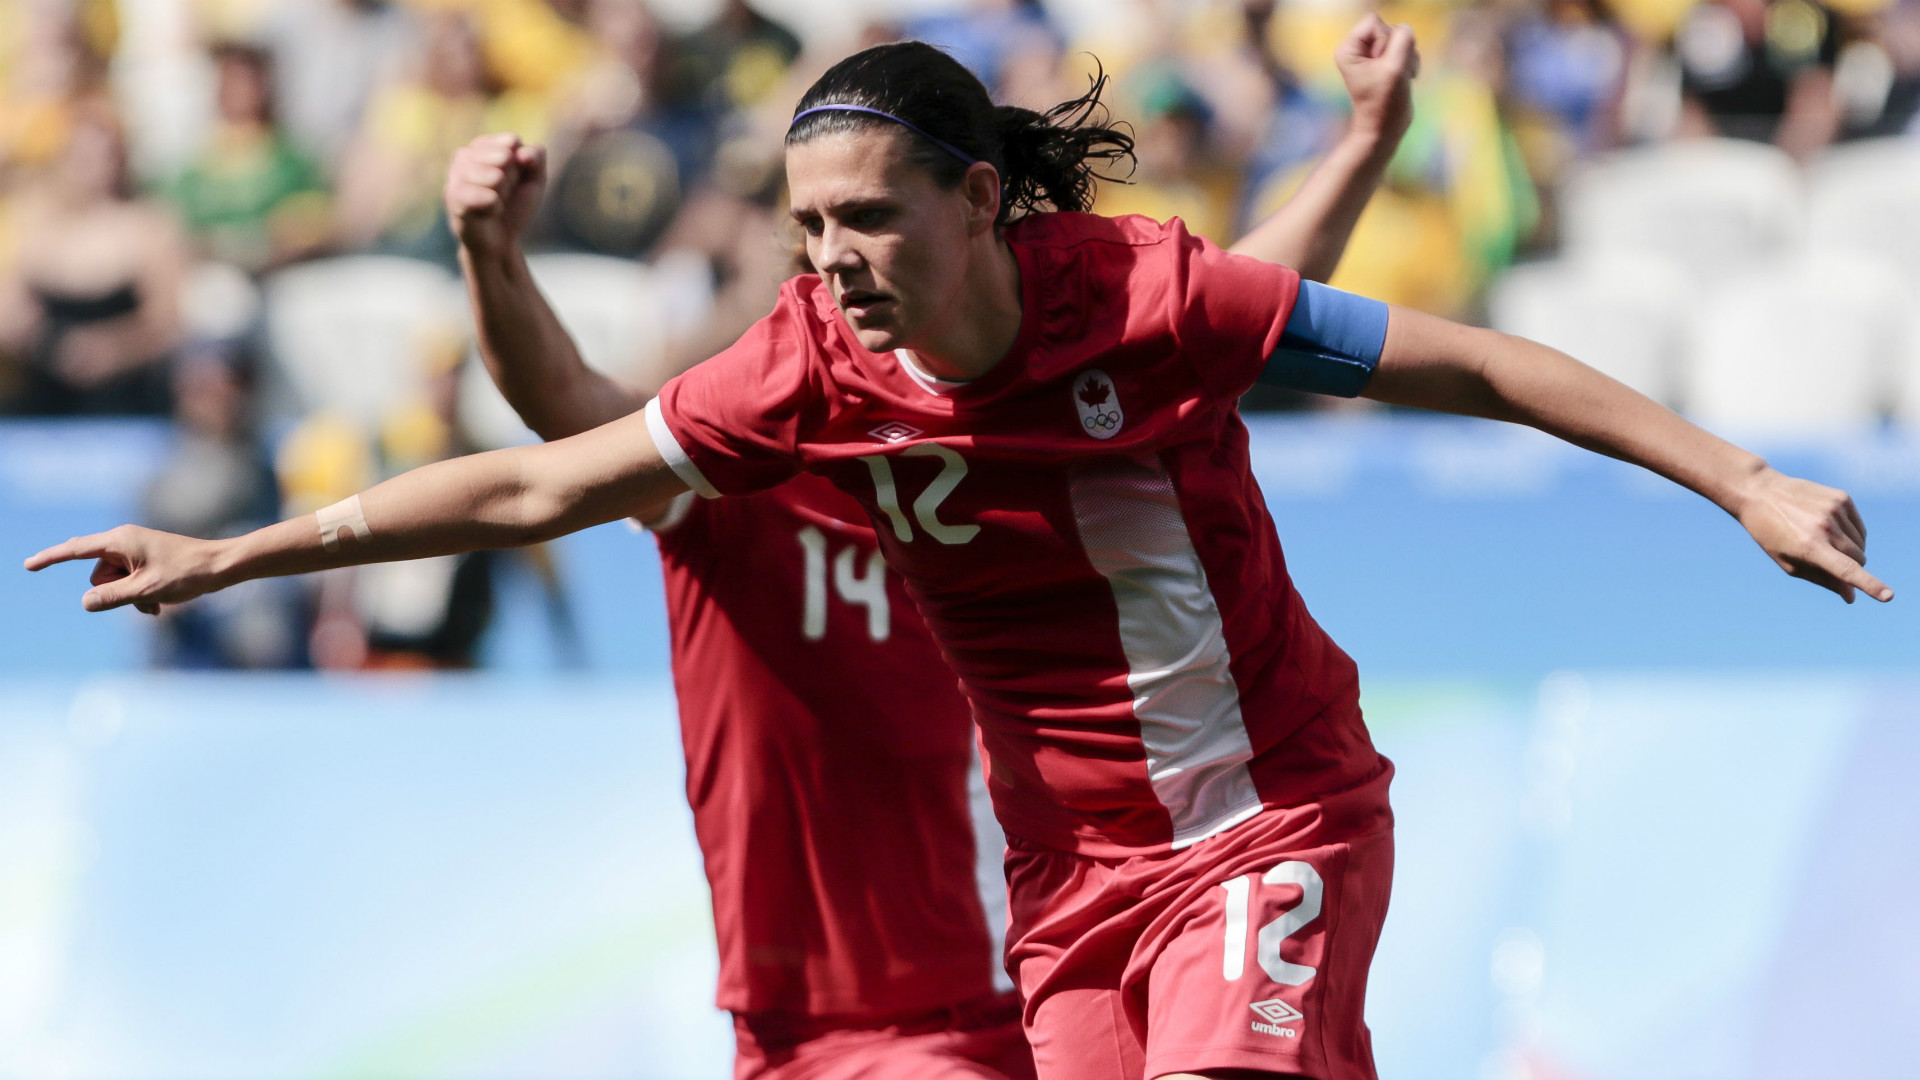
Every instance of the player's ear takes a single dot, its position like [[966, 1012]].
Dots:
[[981, 185]]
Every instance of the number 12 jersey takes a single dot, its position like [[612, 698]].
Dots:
[[1080, 527]]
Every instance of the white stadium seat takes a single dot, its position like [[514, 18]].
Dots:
[[218, 302], [1622, 312], [1906, 377], [607, 304], [1713, 205], [1866, 197], [622, 315], [349, 335], [1806, 346]]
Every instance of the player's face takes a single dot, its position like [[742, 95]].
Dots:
[[889, 241]]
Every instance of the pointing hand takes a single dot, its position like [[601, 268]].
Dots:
[[142, 567]]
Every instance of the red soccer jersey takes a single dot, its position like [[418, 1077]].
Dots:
[[829, 763], [1080, 526]]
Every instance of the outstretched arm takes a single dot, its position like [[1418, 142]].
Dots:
[[493, 187], [1310, 232], [505, 498], [1811, 531]]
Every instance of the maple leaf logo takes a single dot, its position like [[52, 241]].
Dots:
[[1098, 403]]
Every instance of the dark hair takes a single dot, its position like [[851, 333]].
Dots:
[[241, 52], [1045, 160], [260, 59]]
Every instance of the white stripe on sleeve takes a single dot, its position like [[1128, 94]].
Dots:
[[676, 457]]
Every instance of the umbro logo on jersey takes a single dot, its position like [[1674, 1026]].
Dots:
[[1275, 1011], [1272, 1013], [1098, 404], [894, 431]]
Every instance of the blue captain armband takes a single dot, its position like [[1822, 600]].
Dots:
[[1331, 344]]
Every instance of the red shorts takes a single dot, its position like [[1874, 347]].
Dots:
[[1248, 950], [979, 1041]]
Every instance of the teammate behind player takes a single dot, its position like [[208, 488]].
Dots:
[[1040, 415], [828, 747]]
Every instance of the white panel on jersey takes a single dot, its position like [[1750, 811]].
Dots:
[[1177, 664], [989, 868]]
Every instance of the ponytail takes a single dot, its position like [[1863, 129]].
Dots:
[[1046, 161], [1050, 158]]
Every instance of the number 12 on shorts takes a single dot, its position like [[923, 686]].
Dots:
[[1239, 904]]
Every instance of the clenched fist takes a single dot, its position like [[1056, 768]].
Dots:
[[494, 184], [1378, 63]]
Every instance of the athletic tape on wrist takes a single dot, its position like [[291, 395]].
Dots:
[[345, 514]]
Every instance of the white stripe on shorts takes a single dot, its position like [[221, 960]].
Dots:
[[989, 868]]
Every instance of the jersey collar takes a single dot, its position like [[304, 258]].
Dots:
[[968, 392], [928, 381]]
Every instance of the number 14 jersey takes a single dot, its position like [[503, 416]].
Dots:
[[1080, 527], [830, 767]]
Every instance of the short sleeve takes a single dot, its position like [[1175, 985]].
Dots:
[[731, 425], [1229, 311]]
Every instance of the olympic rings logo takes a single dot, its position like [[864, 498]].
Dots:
[[1100, 414]]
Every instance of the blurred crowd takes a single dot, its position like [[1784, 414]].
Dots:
[[165, 164]]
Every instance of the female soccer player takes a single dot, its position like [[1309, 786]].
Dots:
[[855, 872], [1039, 417]]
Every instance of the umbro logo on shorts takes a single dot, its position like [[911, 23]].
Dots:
[[1275, 1012], [894, 431]]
